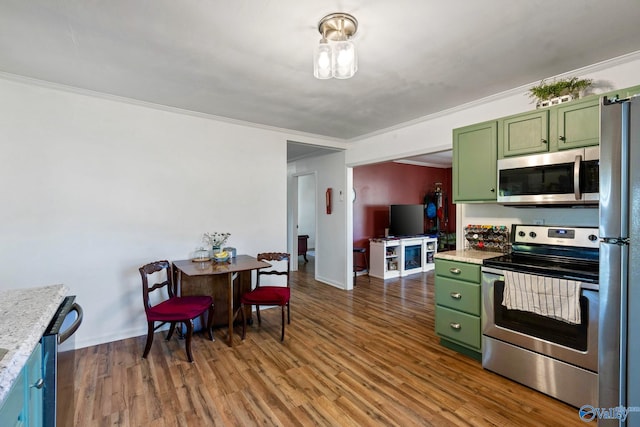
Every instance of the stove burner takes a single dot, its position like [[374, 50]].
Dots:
[[564, 268], [563, 252]]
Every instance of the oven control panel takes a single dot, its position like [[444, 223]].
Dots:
[[584, 237]]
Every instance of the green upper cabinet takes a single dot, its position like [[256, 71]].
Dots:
[[576, 124], [474, 163], [564, 126], [523, 134]]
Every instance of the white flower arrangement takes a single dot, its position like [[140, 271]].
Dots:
[[215, 239]]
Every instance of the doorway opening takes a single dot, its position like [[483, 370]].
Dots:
[[306, 220]]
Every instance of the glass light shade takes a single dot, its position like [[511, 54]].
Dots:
[[322, 60], [345, 61]]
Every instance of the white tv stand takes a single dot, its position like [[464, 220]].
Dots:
[[399, 257]]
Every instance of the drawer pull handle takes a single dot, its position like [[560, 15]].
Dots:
[[38, 384], [456, 295], [455, 326], [454, 270]]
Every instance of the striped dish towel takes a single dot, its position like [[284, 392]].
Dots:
[[546, 296]]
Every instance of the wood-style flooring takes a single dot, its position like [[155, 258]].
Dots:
[[369, 357]]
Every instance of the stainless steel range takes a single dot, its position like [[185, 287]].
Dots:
[[540, 311]]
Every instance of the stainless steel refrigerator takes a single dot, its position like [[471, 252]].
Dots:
[[619, 339]]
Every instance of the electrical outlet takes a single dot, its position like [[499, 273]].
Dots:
[[538, 221]]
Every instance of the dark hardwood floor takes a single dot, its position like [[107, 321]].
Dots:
[[363, 358]]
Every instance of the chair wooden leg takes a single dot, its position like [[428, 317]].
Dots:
[[189, 325], [171, 330], [244, 321], [282, 336], [288, 313], [210, 322], [147, 347], [258, 315]]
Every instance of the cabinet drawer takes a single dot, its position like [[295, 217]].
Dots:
[[458, 295], [461, 327], [458, 270]]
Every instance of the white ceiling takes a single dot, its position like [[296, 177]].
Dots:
[[251, 60]]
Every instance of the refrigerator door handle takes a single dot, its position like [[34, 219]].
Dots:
[[64, 335], [620, 241], [576, 177]]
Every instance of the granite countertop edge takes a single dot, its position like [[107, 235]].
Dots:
[[472, 256], [24, 317]]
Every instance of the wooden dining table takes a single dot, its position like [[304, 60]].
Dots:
[[224, 281]]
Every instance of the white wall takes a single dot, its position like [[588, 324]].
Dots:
[[92, 188]]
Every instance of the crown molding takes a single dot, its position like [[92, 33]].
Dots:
[[132, 101]]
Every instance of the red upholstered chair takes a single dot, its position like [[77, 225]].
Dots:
[[268, 295], [175, 309]]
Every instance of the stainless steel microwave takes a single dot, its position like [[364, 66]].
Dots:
[[561, 178]]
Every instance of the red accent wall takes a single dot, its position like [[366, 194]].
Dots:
[[380, 185]]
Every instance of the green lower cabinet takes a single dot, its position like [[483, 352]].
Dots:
[[459, 327], [13, 410], [458, 295], [35, 392], [458, 306], [23, 405]]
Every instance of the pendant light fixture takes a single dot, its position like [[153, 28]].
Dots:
[[335, 55]]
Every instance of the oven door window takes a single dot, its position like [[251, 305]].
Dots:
[[536, 180], [556, 331]]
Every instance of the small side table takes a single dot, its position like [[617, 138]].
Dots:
[[302, 246], [359, 267]]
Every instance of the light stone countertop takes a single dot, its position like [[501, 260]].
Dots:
[[471, 256], [24, 316]]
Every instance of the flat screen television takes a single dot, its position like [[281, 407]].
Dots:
[[406, 220]]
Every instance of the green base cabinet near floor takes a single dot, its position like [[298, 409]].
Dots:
[[23, 405], [458, 306]]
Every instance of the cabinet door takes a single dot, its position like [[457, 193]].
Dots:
[[524, 134], [12, 411], [35, 392], [474, 163], [578, 123], [23, 405]]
